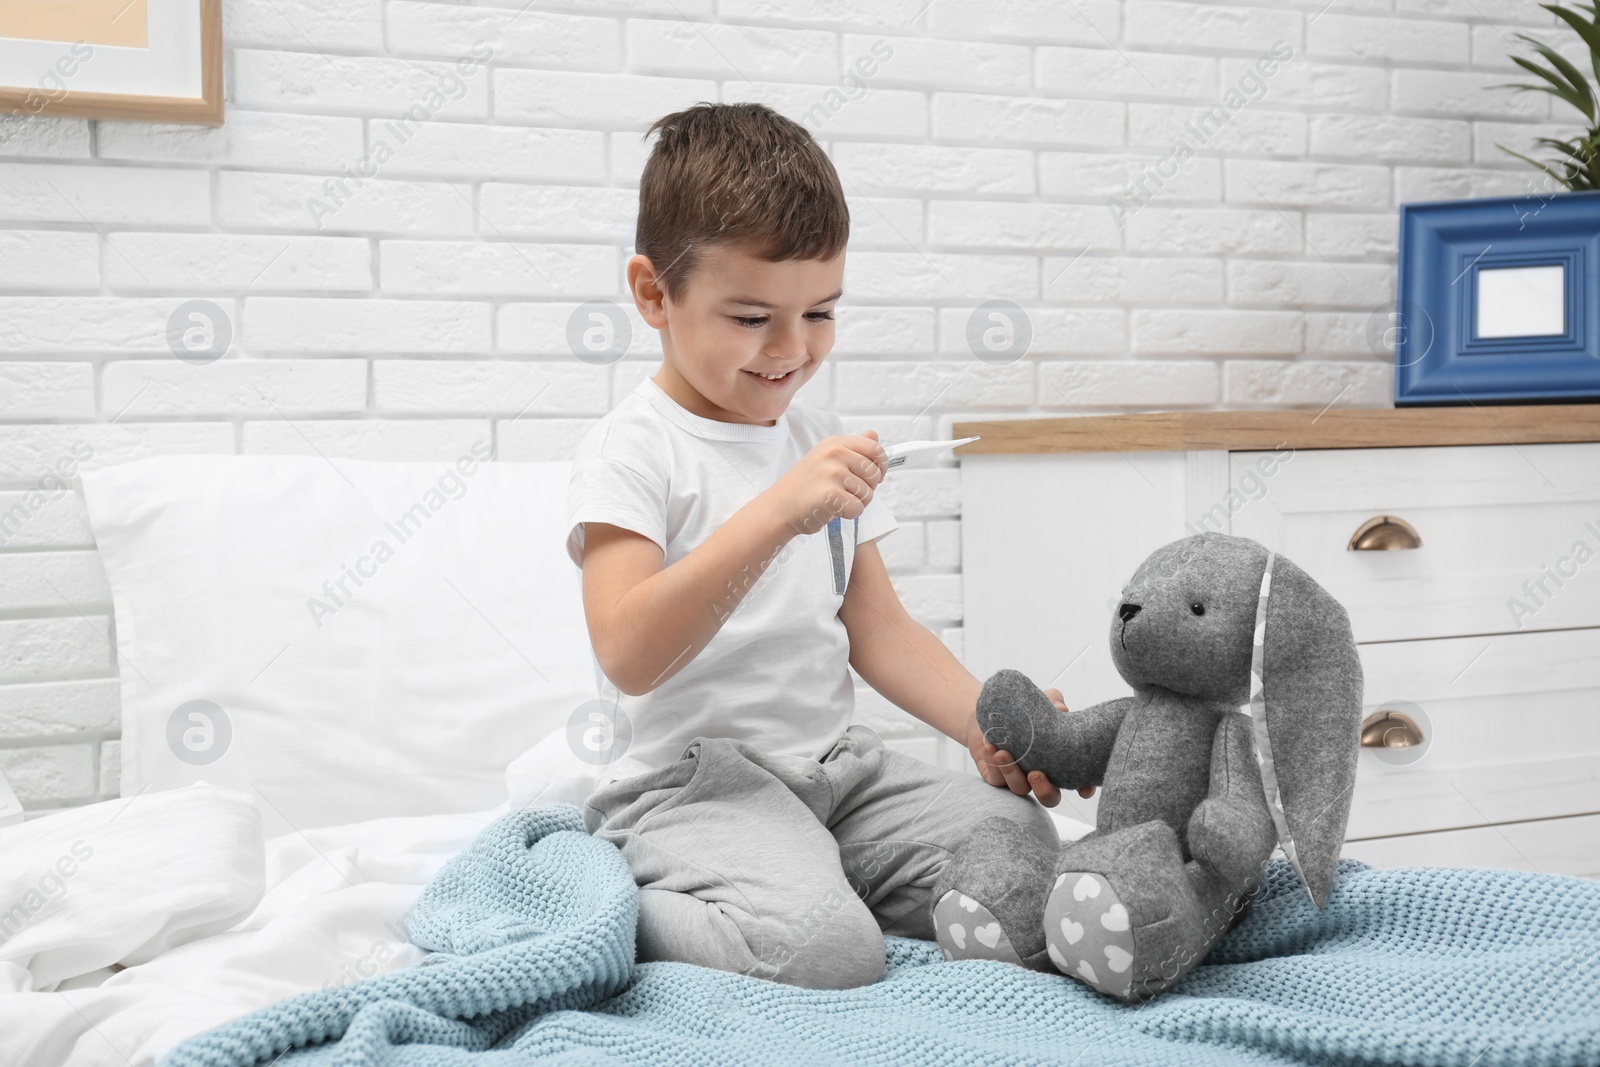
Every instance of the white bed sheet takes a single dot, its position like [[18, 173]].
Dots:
[[332, 910]]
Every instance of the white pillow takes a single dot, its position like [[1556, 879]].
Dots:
[[381, 638]]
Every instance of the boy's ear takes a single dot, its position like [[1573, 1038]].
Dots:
[[1307, 714], [649, 297]]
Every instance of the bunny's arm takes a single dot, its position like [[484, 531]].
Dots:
[[1231, 829], [1071, 748]]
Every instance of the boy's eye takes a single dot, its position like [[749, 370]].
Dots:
[[755, 321]]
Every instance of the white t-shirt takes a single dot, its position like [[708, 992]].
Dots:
[[777, 673]]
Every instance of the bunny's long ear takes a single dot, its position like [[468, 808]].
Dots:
[[1306, 705]]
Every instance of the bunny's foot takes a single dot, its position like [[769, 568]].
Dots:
[[988, 900], [969, 931], [1126, 915], [1088, 932]]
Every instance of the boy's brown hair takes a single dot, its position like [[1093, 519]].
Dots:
[[739, 173]]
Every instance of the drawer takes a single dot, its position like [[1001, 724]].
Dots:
[[1513, 729], [1549, 846], [1431, 799], [1510, 534]]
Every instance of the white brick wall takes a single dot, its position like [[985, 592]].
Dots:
[[427, 306]]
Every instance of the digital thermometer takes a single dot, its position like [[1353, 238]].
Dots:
[[918, 453]]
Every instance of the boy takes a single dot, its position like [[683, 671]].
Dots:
[[730, 575]]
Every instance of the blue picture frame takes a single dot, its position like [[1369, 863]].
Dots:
[[1444, 247]]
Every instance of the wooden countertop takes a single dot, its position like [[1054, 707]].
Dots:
[[1240, 431]]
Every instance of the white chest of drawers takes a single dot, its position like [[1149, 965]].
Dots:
[[1488, 632]]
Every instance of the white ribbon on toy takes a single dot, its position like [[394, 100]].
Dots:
[[1257, 710]]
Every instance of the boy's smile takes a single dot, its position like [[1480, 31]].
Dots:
[[746, 334]]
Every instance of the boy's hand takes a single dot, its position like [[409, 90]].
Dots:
[[835, 479], [998, 768]]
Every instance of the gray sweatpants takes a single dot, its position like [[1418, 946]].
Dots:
[[788, 868]]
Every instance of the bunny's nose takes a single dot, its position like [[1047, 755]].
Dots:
[[1128, 611]]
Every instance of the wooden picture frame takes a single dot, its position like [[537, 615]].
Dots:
[[48, 50], [1499, 301]]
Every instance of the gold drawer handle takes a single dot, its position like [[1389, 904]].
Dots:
[[1384, 532], [1390, 729]]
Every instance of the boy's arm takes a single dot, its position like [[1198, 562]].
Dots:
[[646, 622], [914, 670]]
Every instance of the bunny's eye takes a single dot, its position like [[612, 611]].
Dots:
[[1198, 609]]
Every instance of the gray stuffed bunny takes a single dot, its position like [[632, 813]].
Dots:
[[1242, 734]]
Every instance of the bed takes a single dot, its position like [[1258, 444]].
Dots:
[[347, 835]]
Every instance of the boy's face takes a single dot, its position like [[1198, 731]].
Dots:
[[739, 319]]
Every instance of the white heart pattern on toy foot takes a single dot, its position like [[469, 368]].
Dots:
[[967, 931], [1088, 933]]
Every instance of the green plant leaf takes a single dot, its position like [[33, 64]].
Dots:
[[1586, 28], [1524, 87], [1580, 150], [1572, 73], [1558, 87], [1563, 179], [1552, 77], [1564, 148], [1591, 148], [1580, 169]]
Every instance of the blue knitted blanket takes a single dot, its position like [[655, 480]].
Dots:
[[532, 936]]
